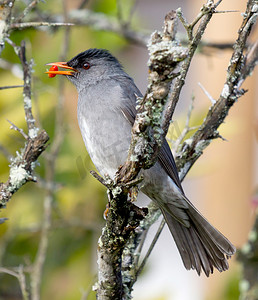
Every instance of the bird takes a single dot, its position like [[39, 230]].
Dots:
[[106, 110]]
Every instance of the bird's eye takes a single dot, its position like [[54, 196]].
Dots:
[[86, 66]]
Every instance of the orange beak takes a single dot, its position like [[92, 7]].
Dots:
[[63, 65]]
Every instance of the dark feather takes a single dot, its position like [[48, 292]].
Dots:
[[198, 249]]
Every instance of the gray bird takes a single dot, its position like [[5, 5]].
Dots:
[[106, 112]]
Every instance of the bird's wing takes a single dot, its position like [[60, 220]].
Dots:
[[167, 161], [165, 156]]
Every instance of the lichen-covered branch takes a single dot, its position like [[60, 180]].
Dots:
[[27, 67], [123, 218]]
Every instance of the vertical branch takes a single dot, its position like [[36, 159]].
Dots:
[[27, 66], [123, 218], [180, 80], [36, 274]]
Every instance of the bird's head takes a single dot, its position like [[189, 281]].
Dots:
[[87, 67]]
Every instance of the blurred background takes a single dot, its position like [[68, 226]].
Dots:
[[222, 184]]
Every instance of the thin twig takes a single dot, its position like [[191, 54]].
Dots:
[[212, 100], [250, 62], [22, 166], [22, 281], [225, 11], [36, 273], [9, 272], [14, 127], [37, 24], [27, 103], [27, 9], [187, 127], [217, 3], [10, 87], [153, 243], [180, 80], [99, 178], [140, 247]]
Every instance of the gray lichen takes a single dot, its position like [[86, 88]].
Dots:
[[33, 132], [226, 91], [18, 176], [116, 191]]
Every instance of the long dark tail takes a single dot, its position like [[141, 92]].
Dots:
[[201, 246]]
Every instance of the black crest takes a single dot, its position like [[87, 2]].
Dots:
[[94, 53]]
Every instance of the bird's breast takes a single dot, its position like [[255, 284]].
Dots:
[[106, 134]]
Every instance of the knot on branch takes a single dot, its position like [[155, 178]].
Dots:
[[165, 52], [165, 55]]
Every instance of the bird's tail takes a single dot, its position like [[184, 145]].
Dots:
[[201, 246]]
